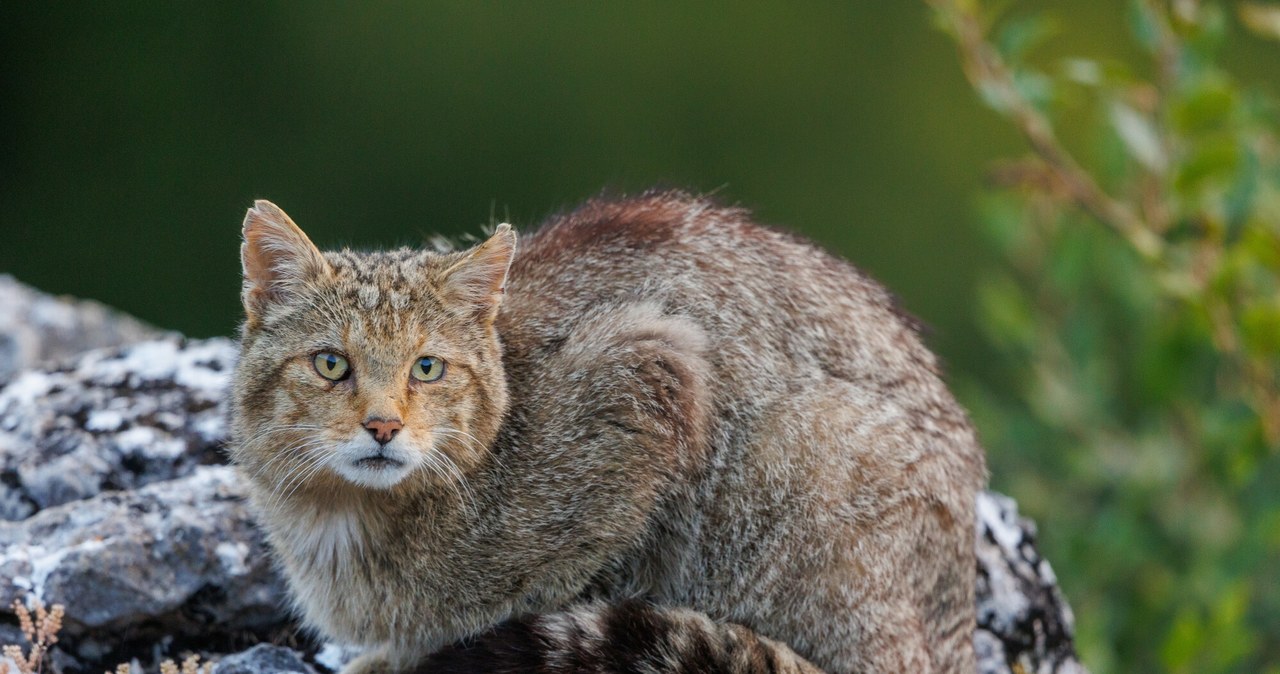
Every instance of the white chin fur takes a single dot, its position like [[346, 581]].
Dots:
[[351, 460]]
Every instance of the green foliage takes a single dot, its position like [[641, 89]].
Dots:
[[1139, 310]]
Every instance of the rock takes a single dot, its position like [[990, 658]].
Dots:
[[263, 659], [116, 509], [180, 558], [1024, 623], [37, 328], [111, 419]]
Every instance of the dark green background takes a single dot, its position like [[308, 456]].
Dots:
[[136, 135]]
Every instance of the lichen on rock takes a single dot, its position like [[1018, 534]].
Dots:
[[37, 328], [1024, 623], [146, 563], [111, 419]]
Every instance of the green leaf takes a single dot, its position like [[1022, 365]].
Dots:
[[1260, 327], [1229, 428], [1008, 317], [1239, 199], [1168, 363], [1262, 19], [1208, 32], [1004, 220], [1206, 107], [1232, 638], [1214, 161], [1262, 246], [1144, 25], [1034, 86], [1082, 71], [1184, 640], [1021, 34], [1139, 136], [995, 95]]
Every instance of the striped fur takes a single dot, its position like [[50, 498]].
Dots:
[[650, 398], [629, 637]]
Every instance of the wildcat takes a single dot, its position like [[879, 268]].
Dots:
[[658, 437]]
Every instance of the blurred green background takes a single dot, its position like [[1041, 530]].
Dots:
[[135, 135]]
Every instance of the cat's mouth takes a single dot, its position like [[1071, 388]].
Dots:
[[377, 462], [374, 467]]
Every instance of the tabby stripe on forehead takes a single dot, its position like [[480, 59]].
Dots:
[[368, 296]]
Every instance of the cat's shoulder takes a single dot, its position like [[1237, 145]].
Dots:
[[658, 218]]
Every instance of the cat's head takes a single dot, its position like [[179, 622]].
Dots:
[[365, 370]]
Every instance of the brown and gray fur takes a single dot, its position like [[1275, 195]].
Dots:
[[667, 439]]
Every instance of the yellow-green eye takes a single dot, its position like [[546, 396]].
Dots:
[[331, 366], [428, 368]]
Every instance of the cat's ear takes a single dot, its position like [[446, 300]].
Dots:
[[478, 279], [277, 258]]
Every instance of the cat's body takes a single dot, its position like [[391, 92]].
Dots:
[[711, 416]]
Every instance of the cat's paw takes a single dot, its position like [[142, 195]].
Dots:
[[374, 661]]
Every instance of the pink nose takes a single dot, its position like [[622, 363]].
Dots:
[[383, 430]]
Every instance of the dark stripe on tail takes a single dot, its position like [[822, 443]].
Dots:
[[509, 648], [631, 637]]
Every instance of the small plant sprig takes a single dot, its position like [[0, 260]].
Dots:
[[40, 630], [191, 665]]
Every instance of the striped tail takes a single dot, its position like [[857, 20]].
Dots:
[[625, 638]]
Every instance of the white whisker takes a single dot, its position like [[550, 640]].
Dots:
[[309, 458], [312, 455], [443, 468]]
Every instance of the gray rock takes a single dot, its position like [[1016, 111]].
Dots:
[[111, 419], [177, 558], [990, 652], [263, 659], [36, 328], [1024, 623], [10, 634]]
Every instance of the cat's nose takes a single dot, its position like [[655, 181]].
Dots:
[[383, 430]]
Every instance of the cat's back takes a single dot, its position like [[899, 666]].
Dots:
[[766, 298], [838, 455]]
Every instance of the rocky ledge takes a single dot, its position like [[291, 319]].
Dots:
[[115, 501], [36, 327]]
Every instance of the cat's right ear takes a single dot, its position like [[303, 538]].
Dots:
[[277, 258], [478, 280]]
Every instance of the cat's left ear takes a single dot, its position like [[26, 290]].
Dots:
[[477, 281]]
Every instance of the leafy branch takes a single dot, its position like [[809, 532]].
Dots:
[[1138, 319], [989, 74]]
